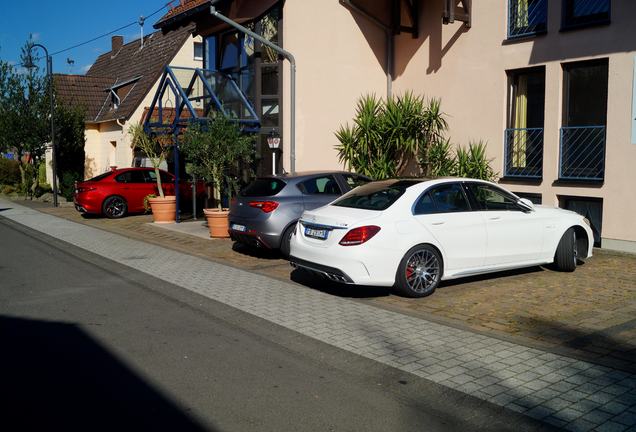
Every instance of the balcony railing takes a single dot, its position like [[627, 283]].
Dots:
[[582, 154], [527, 17], [524, 153]]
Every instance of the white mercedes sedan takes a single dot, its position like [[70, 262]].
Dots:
[[412, 234]]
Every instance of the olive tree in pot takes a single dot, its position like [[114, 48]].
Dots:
[[216, 151], [156, 148]]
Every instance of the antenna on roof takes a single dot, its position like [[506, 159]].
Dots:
[[141, 27]]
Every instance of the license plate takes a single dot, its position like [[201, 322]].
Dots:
[[321, 234], [237, 227]]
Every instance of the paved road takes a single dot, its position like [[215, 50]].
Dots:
[[87, 343], [555, 389]]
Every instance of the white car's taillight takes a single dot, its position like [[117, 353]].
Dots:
[[359, 235]]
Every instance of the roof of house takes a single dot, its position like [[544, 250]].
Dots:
[[182, 9], [130, 72]]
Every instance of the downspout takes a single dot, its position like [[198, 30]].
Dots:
[[292, 64], [390, 42]]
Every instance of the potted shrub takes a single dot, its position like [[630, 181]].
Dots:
[[216, 151], [163, 207]]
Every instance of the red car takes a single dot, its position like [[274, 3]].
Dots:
[[121, 191]]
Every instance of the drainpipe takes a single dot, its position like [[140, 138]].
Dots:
[[292, 64], [389, 43]]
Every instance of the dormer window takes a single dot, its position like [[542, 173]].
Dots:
[[120, 91], [114, 99]]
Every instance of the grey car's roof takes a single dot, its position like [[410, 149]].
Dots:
[[303, 174]]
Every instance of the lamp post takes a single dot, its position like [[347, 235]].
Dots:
[[49, 74], [273, 142]]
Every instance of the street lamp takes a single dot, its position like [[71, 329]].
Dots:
[[49, 73], [273, 141]]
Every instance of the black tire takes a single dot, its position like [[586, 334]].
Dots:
[[566, 255], [114, 207], [285, 240], [419, 272]]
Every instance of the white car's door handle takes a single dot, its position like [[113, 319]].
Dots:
[[438, 223], [494, 218]]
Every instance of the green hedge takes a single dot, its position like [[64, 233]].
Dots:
[[9, 172]]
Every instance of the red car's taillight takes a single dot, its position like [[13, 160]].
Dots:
[[85, 189], [265, 206], [359, 235]]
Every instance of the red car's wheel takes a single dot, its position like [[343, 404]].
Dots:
[[114, 207]]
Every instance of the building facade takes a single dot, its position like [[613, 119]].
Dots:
[[549, 85], [117, 90]]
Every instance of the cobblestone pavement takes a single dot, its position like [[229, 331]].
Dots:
[[589, 314], [556, 389]]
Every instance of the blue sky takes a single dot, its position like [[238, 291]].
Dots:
[[59, 24]]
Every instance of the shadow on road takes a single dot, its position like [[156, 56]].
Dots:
[[605, 346], [56, 377]]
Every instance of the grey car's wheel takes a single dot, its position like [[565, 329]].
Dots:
[[566, 256], [286, 240], [419, 272], [114, 207]]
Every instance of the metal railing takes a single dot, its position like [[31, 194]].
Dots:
[[582, 155], [527, 17], [524, 153]]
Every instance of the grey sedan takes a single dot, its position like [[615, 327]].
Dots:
[[265, 212]]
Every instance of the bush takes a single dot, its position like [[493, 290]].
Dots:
[[67, 184], [387, 135], [471, 162], [9, 172], [7, 189]]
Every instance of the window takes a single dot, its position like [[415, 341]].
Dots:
[[580, 13], [524, 135], [590, 208], [320, 185], [131, 177], [584, 119], [354, 180], [198, 51], [424, 205], [446, 198], [263, 187], [491, 198], [376, 195], [527, 17], [151, 177]]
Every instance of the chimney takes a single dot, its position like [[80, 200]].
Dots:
[[117, 42]]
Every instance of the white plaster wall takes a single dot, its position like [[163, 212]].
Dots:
[[336, 64]]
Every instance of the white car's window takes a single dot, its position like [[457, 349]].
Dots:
[[491, 198], [446, 198]]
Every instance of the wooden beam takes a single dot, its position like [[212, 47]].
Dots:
[[452, 12]]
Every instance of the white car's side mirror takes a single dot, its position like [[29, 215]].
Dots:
[[526, 204]]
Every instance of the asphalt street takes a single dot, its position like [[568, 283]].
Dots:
[[87, 343]]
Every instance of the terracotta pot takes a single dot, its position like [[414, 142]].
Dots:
[[164, 210], [218, 222]]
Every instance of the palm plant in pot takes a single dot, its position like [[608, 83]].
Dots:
[[216, 151], [156, 148]]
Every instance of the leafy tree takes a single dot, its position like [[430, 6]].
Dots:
[[386, 136], [156, 148], [216, 151], [24, 116], [69, 142]]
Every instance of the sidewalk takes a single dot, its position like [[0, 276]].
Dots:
[[589, 314], [556, 389]]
